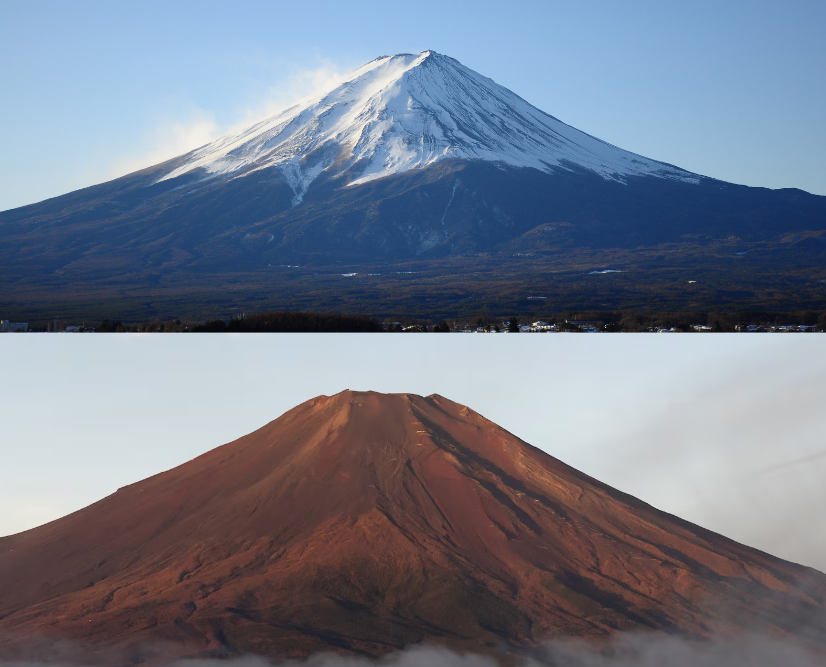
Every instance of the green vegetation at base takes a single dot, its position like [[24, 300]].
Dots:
[[453, 289], [573, 321], [170, 326], [610, 321], [487, 320], [289, 322]]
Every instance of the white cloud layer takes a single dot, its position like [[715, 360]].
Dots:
[[623, 650], [169, 140], [745, 458], [173, 137]]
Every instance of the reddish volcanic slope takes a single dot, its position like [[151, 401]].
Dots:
[[364, 522]]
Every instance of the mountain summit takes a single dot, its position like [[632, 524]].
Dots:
[[364, 522], [405, 112]]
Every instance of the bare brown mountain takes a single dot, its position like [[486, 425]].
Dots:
[[365, 522]]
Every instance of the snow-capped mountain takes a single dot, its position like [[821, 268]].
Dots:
[[404, 112], [414, 158]]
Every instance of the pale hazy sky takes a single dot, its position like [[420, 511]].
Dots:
[[727, 431], [92, 90]]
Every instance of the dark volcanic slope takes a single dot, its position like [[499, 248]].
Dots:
[[443, 241], [364, 522], [457, 208]]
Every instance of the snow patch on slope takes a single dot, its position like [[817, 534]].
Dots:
[[405, 112]]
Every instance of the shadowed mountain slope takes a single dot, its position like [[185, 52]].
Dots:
[[365, 522]]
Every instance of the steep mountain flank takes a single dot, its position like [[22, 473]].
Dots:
[[365, 522]]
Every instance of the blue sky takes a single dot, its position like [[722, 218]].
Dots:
[[93, 90], [727, 431]]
